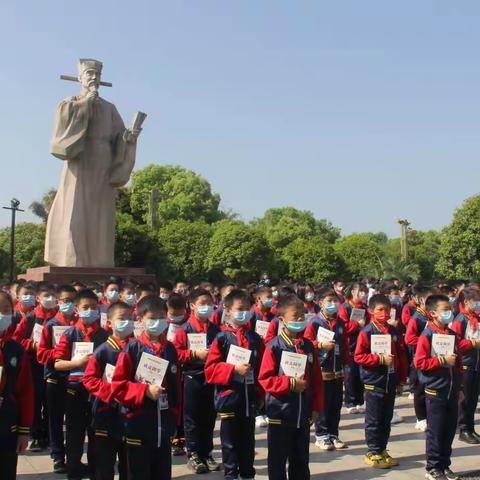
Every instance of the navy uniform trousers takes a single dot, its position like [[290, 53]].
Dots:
[[56, 391], [442, 414], [467, 407], [329, 418]]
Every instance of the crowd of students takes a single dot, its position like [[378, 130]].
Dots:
[[144, 372]]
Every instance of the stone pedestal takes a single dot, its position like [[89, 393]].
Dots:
[[85, 275]]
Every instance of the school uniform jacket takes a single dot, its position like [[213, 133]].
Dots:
[[333, 361], [268, 316], [352, 326], [408, 311], [107, 417], [283, 405], [190, 364], [16, 392], [466, 329], [415, 327], [437, 377], [233, 395], [374, 373], [148, 422]]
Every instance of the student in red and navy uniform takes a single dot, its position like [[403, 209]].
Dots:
[[45, 309], [415, 327], [176, 317], [339, 287], [393, 292], [150, 414], [274, 327], [357, 298], [466, 327], [383, 376], [292, 403], [56, 382], [218, 313], [236, 386], [77, 406], [107, 417], [441, 377], [306, 293], [198, 410], [334, 359], [16, 394], [262, 310]]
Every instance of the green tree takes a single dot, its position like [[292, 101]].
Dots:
[[184, 246], [238, 251], [424, 251], [459, 256], [397, 268], [361, 253], [180, 194], [42, 208], [29, 245], [313, 260]]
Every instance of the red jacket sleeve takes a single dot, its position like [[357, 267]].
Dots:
[[423, 360], [181, 344], [317, 385], [268, 378], [94, 383], [22, 336], [24, 396], [272, 331], [311, 333], [44, 348], [216, 369], [463, 344], [363, 356], [127, 392], [63, 349], [411, 336], [406, 315]]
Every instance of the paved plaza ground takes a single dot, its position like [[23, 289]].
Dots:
[[406, 444]]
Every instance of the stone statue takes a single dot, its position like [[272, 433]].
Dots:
[[99, 154]]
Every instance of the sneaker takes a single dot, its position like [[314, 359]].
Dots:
[[360, 408], [261, 421], [476, 435], [389, 459], [396, 418], [196, 465], [435, 474], [325, 444], [450, 475], [351, 410], [376, 461], [212, 464], [421, 425], [469, 438], [59, 467], [337, 443], [411, 396], [35, 446], [178, 447]]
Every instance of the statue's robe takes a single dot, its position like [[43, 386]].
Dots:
[[88, 136]]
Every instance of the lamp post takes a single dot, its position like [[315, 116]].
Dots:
[[14, 204]]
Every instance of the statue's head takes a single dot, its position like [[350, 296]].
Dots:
[[89, 73]]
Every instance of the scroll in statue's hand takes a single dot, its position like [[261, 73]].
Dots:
[[131, 135]]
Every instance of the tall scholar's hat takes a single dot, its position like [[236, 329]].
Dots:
[[89, 64]]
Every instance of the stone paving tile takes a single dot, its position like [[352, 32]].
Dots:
[[406, 444]]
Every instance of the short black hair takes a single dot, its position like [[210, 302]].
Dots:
[[145, 287], [379, 299], [66, 288], [79, 284], [432, 301], [326, 292], [151, 303], [176, 302], [28, 286], [423, 291], [236, 294], [198, 292], [165, 285], [470, 293], [86, 293], [263, 289], [129, 285], [118, 306], [113, 281], [289, 301]]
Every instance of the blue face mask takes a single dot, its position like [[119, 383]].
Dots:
[[5, 322], [156, 326], [446, 317], [177, 318], [452, 300], [66, 308], [395, 299], [124, 327], [88, 316], [164, 296], [297, 326], [27, 301], [204, 311], [268, 302], [331, 308], [112, 295], [130, 299], [242, 317]]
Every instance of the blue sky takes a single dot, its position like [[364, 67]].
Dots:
[[363, 112]]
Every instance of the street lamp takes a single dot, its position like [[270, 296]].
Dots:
[[14, 204]]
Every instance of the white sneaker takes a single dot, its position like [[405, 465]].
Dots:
[[421, 425], [351, 410], [396, 418], [261, 421], [337, 443], [324, 444], [360, 408], [411, 396]]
